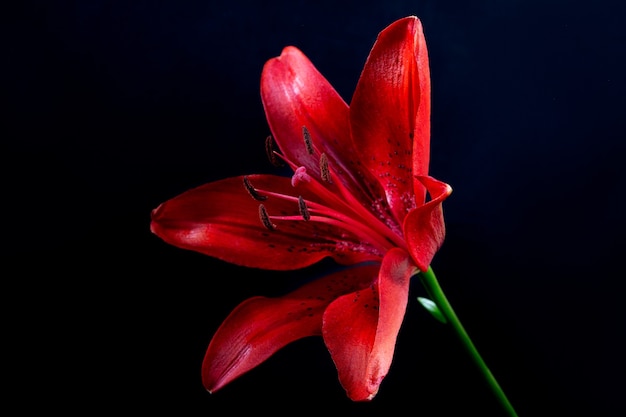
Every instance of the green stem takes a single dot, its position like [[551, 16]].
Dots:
[[434, 290]]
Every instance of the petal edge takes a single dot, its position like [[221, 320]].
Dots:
[[390, 113], [360, 329], [260, 326], [424, 227]]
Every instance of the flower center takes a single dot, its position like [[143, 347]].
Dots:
[[334, 204]]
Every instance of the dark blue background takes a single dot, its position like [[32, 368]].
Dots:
[[116, 106]]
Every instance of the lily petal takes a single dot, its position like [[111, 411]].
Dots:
[[260, 326], [390, 113], [360, 328], [295, 94], [424, 228], [221, 219]]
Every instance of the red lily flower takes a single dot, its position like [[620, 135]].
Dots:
[[357, 195]]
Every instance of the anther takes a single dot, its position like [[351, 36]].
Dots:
[[307, 140], [270, 150], [304, 210], [324, 171], [252, 191], [265, 218]]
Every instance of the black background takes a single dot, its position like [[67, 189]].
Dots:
[[115, 106]]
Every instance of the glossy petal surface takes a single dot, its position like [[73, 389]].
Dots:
[[295, 94], [360, 328], [221, 219], [390, 113], [260, 326], [424, 228]]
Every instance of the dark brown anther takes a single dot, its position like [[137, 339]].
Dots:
[[325, 172], [304, 210], [307, 140], [252, 191], [265, 218], [270, 150]]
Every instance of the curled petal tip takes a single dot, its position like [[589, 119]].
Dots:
[[424, 227], [289, 49], [154, 215], [287, 52]]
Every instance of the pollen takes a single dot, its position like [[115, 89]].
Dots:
[[270, 150], [324, 170], [304, 210], [252, 191], [307, 140], [265, 218]]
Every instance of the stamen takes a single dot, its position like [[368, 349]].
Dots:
[[304, 210], [325, 172], [325, 214], [252, 191], [270, 150], [265, 218], [307, 140]]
